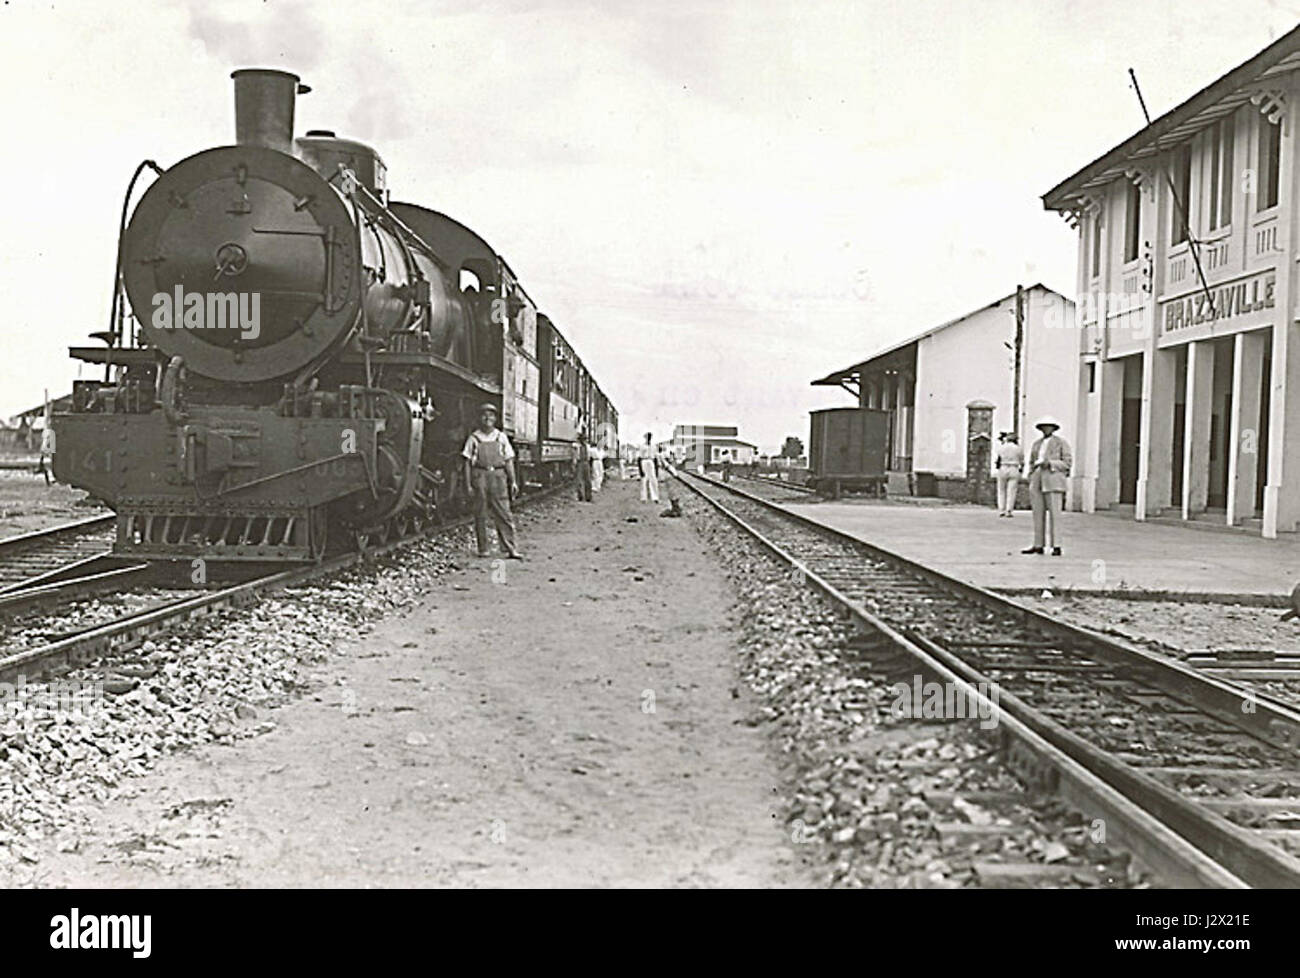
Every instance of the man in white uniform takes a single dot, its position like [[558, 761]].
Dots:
[[597, 467], [1010, 460], [649, 474]]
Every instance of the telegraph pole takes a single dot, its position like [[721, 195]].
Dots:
[[1020, 343]]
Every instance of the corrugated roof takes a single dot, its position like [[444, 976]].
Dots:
[[1176, 126]]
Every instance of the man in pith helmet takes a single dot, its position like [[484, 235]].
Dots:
[[1047, 468]]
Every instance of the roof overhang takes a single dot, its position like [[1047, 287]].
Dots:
[[1248, 81], [902, 355], [896, 358]]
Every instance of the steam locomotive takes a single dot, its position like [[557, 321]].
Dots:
[[305, 358]]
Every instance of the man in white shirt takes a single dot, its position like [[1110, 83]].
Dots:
[[649, 473], [597, 467], [490, 476], [1010, 460], [47, 450]]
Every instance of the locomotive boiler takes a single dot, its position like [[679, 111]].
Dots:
[[303, 358]]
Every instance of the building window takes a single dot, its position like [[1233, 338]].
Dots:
[[1182, 177], [1132, 222], [1270, 143], [1092, 377], [1220, 201], [1096, 246]]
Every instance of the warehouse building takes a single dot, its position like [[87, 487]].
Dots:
[[1187, 286], [950, 390]]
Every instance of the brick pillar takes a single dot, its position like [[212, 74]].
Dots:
[[979, 453]]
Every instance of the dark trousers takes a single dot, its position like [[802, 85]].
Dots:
[[492, 495], [582, 481]]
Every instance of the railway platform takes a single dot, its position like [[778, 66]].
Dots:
[[1102, 553]]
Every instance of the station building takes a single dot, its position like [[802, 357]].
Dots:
[[709, 444], [953, 387], [1188, 354]]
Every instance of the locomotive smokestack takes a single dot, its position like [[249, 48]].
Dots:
[[264, 101]]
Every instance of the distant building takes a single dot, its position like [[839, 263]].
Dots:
[[950, 390], [21, 433], [1188, 286], [35, 416], [704, 444]]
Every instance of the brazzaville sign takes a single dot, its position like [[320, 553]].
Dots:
[[1229, 302]]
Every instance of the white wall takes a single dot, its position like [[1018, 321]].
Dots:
[[1051, 366], [973, 360]]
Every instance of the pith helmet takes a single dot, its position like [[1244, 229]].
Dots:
[[1047, 421]]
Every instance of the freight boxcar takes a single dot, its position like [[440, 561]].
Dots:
[[847, 449]]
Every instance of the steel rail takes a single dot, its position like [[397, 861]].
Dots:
[[40, 557], [75, 526], [1274, 723], [127, 632], [1218, 854]]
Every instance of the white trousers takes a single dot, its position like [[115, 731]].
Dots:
[[649, 488], [1008, 483], [597, 474]]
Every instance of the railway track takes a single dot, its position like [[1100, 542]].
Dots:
[[31, 559], [776, 488], [125, 632], [1198, 777], [61, 562]]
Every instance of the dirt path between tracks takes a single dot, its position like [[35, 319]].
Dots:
[[574, 719]]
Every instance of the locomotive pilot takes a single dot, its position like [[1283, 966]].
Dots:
[[490, 475]]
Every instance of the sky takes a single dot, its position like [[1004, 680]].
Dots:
[[717, 201]]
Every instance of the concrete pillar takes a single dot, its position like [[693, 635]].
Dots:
[[1086, 448], [898, 436], [1098, 443], [1243, 428], [1155, 451], [979, 450], [1080, 435], [1110, 409], [1198, 406], [1282, 491], [1281, 502]]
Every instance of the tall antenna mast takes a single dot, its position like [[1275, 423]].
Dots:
[[1193, 245]]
